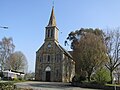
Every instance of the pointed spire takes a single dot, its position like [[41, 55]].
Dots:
[[52, 21]]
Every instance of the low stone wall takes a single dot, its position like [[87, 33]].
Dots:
[[94, 86]]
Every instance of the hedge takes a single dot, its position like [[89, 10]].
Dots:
[[6, 86]]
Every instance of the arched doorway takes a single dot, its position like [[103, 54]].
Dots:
[[48, 73]]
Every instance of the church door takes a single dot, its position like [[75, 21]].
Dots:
[[48, 73], [48, 76]]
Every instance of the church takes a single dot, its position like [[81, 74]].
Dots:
[[53, 62]]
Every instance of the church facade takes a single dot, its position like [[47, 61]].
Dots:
[[53, 62]]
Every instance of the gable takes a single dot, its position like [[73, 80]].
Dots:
[[57, 48], [40, 48], [64, 51]]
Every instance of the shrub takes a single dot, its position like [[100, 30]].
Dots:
[[21, 79], [82, 78], [75, 79], [102, 76], [16, 80], [78, 78], [6, 86]]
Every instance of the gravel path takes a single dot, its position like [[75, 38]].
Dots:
[[49, 86]]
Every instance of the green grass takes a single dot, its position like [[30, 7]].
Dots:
[[112, 84], [10, 85]]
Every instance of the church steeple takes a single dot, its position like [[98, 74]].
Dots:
[[51, 29], [52, 21]]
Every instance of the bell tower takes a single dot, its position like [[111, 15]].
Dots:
[[51, 33]]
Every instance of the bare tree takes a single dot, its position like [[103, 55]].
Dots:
[[17, 61], [6, 49], [116, 73], [112, 41]]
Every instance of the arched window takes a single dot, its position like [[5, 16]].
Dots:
[[41, 59], [58, 57], [48, 58], [52, 33], [48, 33]]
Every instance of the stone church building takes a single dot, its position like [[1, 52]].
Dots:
[[53, 62]]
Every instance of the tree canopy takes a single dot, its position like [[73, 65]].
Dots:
[[17, 61], [112, 41], [6, 49], [89, 50], [10, 59]]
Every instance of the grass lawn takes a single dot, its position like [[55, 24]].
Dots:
[[10, 85], [113, 85]]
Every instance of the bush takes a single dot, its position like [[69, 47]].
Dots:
[[75, 79], [6, 86], [78, 78], [16, 80], [82, 78], [102, 76], [21, 79]]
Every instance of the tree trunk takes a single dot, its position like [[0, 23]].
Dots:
[[111, 76], [118, 79], [89, 75]]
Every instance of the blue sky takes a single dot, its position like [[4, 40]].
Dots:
[[27, 20]]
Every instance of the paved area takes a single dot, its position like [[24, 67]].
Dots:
[[49, 86]]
